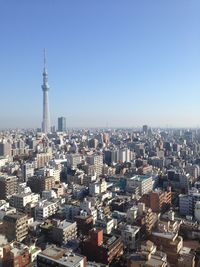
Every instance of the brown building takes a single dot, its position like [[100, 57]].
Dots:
[[146, 219], [15, 254], [42, 159], [170, 243], [102, 248], [41, 183], [148, 256], [8, 186], [15, 226], [84, 223], [158, 200]]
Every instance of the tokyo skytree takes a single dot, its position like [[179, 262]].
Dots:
[[45, 88]]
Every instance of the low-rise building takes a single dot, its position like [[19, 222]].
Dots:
[[19, 201], [16, 226], [45, 208], [63, 231], [130, 236], [102, 248], [54, 256]]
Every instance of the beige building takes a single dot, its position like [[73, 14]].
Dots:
[[8, 186], [148, 256], [16, 226], [63, 231]]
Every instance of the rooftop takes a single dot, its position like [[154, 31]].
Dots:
[[168, 235], [14, 217], [62, 256]]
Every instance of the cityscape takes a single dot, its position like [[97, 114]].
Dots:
[[98, 196]]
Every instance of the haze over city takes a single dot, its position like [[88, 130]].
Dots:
[[110, 63]]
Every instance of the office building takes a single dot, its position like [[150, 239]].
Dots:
[[62, 124]]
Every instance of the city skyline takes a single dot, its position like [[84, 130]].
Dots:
[[111, 64]]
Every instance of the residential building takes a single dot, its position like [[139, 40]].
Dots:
[[130, 236], [157, 200], [102, 248], [8, 186], [63, 231], [16, 226], [55, 256]]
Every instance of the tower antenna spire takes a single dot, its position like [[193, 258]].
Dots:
[[44, 58]]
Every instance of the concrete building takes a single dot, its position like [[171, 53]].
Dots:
[[41, 183], [5, 149], [27, 170], [43, 158], [132, 214], [19, 201], [148, 256], [197, 211], [45, 208], [62, 124], [55, 256], [63, 231], [84, 223], [8, 186], [97, 161], [102, 248], [16, 226], [157, 200], [15, 254], [187, 202], [143, 182], [98, 187], [170, 243], [73, 160], [130, 236], [105, 223]]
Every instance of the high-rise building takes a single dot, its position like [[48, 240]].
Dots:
[[45, 88], [145, 129], [5, 149], [62, 124]]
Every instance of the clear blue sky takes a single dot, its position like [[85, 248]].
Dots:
[[110, 62]]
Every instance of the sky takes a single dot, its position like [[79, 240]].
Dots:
[[115, 63]]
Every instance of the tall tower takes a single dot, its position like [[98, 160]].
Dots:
[[45, 88]]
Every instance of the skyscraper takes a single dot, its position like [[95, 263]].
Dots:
[[62, 124], [45, 89]]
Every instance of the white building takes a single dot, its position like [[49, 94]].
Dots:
[[19, 201], [97, 187], [107, 224], [132, 214], [143, 182], [55, 256], [73, 160], [130, 236], [45, 208], [49, 194], [97, 161]]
